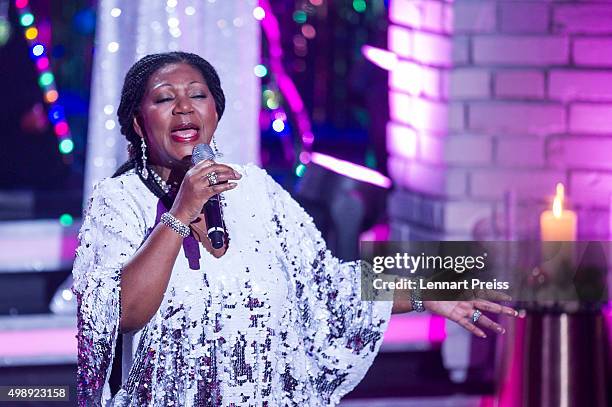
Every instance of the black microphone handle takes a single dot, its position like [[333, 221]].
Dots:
[[214, 221]]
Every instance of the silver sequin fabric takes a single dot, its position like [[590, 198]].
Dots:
[[276, 321]]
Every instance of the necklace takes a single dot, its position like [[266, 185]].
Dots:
[[162, 184]]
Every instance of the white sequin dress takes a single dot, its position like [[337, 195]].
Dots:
[[276, 321]]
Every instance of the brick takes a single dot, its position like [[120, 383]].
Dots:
[[593, 224], [416, 80], [432, 49], [463, 216], [580, 85], [520, 152], [524, 17], [524, 50], [583, 19], [591, 118], [474, 17], [431, 149], [519, 84], [401, 141], [493, 183], [591, 188], [421, 114], [592, 51], [418, 14], [467, 150], [580, 152], [400, 40], [436, 180], [456, 120], [460, 53], [517, 118], [396, 166], [468, 83]]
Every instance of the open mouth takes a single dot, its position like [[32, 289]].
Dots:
[[185, 132]]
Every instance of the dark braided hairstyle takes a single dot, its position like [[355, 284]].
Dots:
[[133, 91]]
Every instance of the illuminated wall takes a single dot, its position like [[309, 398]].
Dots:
[[490, 97]]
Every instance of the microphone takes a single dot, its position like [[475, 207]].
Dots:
[[212, 208]]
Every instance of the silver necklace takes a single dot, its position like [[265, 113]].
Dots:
[[162, 184]]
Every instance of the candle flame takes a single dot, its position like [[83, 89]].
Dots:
[[557, 207]]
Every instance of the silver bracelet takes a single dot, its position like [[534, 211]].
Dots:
[[173, 223], [415, 300]]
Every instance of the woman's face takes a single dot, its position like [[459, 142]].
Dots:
[[176, 113]]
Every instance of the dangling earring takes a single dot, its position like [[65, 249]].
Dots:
[[144, 172], [215, 148]]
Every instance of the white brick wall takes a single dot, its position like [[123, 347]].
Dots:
[[595, 52], [591, 118], [591, 188], [520, 152], [467, 83], [502, 95], [400, 40], [580, 152], [519, 84], [569, 85], [417, 80], [583, 18], [524, 17], [517, 118], [523, 50], [493, 183], [474, 17]]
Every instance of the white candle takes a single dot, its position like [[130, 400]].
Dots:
[[558, 224]]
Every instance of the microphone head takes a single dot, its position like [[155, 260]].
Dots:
[[202, 152]]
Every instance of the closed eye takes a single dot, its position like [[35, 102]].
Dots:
[[163, 100], [199, 96]]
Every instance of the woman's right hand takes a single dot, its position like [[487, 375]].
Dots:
[[195, 189]]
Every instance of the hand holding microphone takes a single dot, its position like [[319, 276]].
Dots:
[[198, 193]]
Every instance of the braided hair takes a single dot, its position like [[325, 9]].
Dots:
[[133, 91]]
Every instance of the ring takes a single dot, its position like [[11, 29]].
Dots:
[[476, 315], [212, 178]]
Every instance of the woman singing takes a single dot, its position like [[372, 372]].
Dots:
[[269, 319]]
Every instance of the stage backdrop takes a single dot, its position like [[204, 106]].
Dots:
[[223, 32]]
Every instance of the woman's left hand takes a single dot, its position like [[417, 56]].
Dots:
[[464, 313]]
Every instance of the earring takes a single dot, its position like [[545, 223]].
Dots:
[[215, 148], [144, 171]]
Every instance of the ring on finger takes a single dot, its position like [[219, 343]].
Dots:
[[212, 178], [476, 315]]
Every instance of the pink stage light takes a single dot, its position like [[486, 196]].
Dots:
[[413, 328], [351, 170], [34, 343], [380, 57]]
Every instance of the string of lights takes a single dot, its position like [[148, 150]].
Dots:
[[46, 79]]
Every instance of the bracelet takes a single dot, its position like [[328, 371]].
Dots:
[[173, 223], [415, 300]]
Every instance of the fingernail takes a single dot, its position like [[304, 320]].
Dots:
[[237, 174], [483, 336], [516, 313], [502, 330]]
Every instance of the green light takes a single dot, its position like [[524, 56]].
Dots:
[[300, 17], [26, 20], [272, 104], [359, 5], [370, 159], [46, 79], [66, 219], [260, 71], [66, 146], [300, 170]]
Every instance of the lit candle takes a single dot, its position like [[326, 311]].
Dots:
[[558, 224]]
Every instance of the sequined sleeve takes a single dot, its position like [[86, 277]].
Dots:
[[109, 236], [340, 333]]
